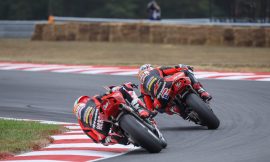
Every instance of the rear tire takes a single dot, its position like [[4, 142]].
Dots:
[[140, 133], [206, 115]]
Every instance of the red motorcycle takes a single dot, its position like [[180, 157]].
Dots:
[[189, 102], [126, 122]]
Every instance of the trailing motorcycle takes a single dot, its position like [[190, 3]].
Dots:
[[189, 103], [127, 122]]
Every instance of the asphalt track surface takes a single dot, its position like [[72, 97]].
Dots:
[[242, 106]]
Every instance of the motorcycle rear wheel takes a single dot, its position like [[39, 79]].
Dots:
[[205, 114], [140, 133]]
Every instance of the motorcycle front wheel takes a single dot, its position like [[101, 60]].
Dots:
[[140, 134], [206, 115]]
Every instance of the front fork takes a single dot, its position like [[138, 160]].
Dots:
[[146, 122]]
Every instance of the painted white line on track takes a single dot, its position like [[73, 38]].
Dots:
[[125, 73], [98, 71], [220, 74], [15, 67], [41, 121], [42, 68], [265, 79], [68, 70], [64, 137], [71, 152], [73, 127], [74, 145], [70, 132], [235, 77]]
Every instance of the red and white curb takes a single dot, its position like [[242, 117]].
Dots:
[[121, 70], [73, 145]]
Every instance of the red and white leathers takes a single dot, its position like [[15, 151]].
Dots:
[[91, 120], [154, 88]]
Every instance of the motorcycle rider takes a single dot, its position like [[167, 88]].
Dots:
[[90, 116], [155, 90]]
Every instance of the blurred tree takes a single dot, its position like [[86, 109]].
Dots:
[[184, 8], [23, 10], [4, 9], [116, 9], [242, 10], [32, 9]]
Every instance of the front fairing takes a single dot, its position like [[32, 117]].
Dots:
[[111, 103]]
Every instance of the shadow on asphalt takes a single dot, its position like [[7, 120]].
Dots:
[[140, 151], [187, 128]]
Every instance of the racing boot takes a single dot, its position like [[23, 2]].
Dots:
[[114, 138], [143, 113], [202, 92], [172, 110]]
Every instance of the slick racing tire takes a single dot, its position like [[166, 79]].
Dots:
[[206, 115], [140, 134]]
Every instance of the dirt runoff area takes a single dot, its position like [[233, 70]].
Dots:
[[218, 58]]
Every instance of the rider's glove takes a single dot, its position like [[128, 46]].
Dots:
[[113, 138], [134, 85]]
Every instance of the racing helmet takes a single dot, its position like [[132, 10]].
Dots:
[[145, 67], [79, 103]]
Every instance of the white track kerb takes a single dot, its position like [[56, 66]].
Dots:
[[119, 70], [73, 145]]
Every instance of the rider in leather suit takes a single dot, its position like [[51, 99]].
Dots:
[[155, 90], [91, 120]]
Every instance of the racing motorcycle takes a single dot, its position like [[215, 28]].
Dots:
[[128, 123], [188, 101]]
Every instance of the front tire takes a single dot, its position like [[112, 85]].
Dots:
[[140, 133], [163, 142], [205, 114]]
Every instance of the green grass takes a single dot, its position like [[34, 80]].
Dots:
[[19, 136]]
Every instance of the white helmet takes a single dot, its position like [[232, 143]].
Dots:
[[145, 67], [79, 104], [143, 71]]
